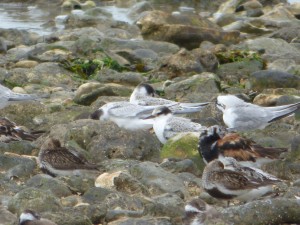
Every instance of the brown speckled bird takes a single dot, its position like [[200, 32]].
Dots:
[[57, 160], [227, 184]]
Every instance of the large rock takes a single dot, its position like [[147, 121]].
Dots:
[[105, 140], [181, 64], [6, 217], [19, 37], [274, 49], [125, 78], [89, 92], [185, 31], [23, 113], [198, 88], [47, 183], [183, 146], [273, 79], [35, 199], [236, 73], [159, 47], [158, 180], [121, 181], [286, 33]]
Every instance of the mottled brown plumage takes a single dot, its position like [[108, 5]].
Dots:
[[54, 158], [212, 145], [227, 184], [243, 149], [9, 131]]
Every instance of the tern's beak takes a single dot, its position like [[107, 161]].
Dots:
[[149, 117]]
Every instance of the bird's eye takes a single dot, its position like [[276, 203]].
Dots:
[[220, 105]]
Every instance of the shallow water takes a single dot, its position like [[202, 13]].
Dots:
[[23, 16], [32, 18]]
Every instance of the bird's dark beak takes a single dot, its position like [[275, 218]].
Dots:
[[96, 115], [149, 117]]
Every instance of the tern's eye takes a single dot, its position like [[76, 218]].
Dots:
[[220, 105]]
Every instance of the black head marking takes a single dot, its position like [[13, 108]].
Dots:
[[33, 213], [206, 146], [97, 114], [163, 110], [149, 89]]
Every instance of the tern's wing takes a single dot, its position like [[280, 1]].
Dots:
[[246, 117], [131, 111]]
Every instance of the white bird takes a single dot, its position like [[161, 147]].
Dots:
[[7, 96], [125, 115], [144, 94], [239, 115], [29, 217], [167, 126]]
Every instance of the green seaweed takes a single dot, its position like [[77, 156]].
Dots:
[[238, 56], [87, 68]]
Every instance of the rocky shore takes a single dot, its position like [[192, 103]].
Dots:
[[189, 55]]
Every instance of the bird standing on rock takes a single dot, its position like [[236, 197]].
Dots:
[[197, 212], [29, 217], [167, 126], [56, 160], [227, 184], [215, 144], [239, 115]]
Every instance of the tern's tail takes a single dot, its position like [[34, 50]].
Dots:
[[184, 108], [192, 105], [13, 97], [283, 111]]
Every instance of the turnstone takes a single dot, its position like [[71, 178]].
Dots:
[[229, 184], [56, 160], [9, 131], [29, 217], [144, 94], [239, 115], [215, 144], [167, 126]]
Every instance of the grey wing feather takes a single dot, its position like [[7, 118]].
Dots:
[[248, 116], [131, 111]]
